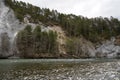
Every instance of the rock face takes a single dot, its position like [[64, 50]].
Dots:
[[9, 26], [87, 48], [108, 49], [60, 38]]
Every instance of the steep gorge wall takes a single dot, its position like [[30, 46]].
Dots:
[[9, 26]]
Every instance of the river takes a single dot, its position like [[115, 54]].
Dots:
[[60, 69]]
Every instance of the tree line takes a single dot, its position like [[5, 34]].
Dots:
[[93, 29], [36, 43]]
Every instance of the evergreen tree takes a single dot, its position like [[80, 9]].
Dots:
[[25, 42], [37, 40], [5, 43]]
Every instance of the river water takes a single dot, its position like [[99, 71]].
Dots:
[[60, 69]]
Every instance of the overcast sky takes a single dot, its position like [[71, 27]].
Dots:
[[89, 8]]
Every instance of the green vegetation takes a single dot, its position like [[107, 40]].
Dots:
[[5, 43], [36, 43], [94, 29], [76, 49]]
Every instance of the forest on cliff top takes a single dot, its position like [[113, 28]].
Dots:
[[94, 30]]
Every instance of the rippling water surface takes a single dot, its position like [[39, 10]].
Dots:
[[59, 69]]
